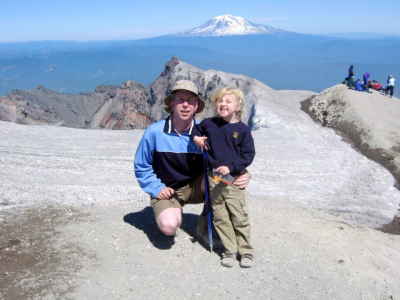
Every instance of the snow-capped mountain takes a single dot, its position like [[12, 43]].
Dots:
[[230, 25]]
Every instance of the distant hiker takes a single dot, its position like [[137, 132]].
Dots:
[[231, 150], [351, 72], [349, 80], [359, 86], [390, 85], [168, 165], [365, 80]]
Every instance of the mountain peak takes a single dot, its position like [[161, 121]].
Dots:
[[230, 25]]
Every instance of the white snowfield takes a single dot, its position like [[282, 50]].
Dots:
[[229, 25], [297, 161]]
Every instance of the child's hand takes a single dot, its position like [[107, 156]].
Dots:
[[201, 142], [224, 170], [242, 181]]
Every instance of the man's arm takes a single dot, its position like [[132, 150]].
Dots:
[[143, 166]]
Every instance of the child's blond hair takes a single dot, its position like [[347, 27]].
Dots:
[[230, 91]]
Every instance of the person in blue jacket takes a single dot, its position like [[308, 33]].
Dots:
[[168, 165], [359, 86]]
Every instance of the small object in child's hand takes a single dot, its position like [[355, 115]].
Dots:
[[218, 177]]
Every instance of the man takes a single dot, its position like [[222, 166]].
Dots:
[[168, 165], [390, 85], [351, 71]]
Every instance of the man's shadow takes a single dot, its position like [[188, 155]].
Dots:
[[144, 220]]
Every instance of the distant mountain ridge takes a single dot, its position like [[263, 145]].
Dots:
[[229, 25]]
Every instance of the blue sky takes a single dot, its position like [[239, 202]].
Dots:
[[28, 20]]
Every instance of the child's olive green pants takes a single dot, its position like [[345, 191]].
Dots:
[[231, 219]]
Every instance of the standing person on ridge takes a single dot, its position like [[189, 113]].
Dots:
[[390, 85], [230, 151], [351, 72]]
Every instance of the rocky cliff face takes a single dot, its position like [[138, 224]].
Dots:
[[113, 107], [126, 107], [208, 82]]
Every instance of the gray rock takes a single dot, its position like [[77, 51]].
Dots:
[[110, 107], [370, 121], [208, 83]]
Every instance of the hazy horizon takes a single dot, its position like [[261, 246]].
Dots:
[[346, 35], [103, 20]]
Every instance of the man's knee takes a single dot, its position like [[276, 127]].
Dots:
[[168, 227], [169, 221]]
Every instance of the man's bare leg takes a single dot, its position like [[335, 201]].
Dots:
[[169, 220]]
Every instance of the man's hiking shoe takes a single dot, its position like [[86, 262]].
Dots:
[[227, 260], [246, 261]]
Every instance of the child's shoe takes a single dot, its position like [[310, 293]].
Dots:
[[227, 260], [247, 261]]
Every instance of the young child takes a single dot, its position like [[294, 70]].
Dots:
[[230, 150]]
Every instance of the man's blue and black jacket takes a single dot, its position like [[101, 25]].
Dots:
[[166, 158]]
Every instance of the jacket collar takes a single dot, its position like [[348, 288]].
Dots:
[[169, 127]]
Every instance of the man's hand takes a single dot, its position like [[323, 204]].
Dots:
[[201, 142], [165, 194], [224, 170], [242, 181]]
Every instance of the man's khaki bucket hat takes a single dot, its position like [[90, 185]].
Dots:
[[186, 85]]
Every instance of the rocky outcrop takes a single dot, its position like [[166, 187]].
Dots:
[[370, 121], [113, 107], [208, 82], [126, 107]]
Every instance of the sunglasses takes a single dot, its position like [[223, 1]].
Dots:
[[190, 100]]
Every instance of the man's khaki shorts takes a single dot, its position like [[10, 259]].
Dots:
[[191, 193]]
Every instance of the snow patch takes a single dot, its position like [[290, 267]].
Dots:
[[230, 25]]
